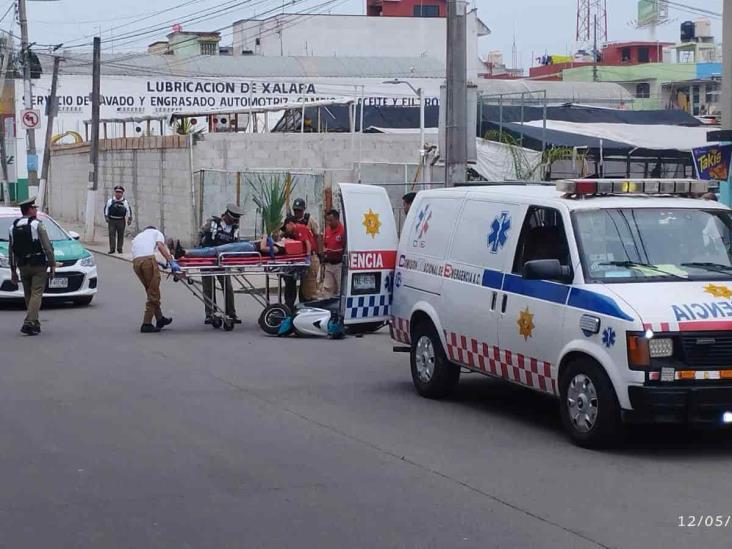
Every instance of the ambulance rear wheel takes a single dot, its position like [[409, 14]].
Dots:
[[432, 374], [588, 405], [272, 318]]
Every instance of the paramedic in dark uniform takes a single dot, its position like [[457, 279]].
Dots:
[[218, 231], [118, 214], [31, 252]]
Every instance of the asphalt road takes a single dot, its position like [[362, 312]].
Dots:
[[202, 438]]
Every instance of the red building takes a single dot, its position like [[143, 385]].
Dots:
[[614, 53], [633, 53], [407, 8]]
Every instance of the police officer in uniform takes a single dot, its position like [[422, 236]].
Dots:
[[304, 218], [218, 231], [31, 252], [116, 211]]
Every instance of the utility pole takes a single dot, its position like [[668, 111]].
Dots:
[[32, 157], [51, 110], [594, 53], [6, 53], [456, 119], [91, 195], [725, 187]]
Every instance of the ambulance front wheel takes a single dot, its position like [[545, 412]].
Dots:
[[432, 374], [588, 405]]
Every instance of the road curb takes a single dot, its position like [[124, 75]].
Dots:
[[106, 254]]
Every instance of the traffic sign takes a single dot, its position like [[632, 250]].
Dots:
[[30, 119]]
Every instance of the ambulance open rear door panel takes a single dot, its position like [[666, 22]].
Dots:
[[371, 247]]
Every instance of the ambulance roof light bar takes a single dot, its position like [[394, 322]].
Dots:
[[580, 187]]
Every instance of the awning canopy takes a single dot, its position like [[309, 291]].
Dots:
[[657, 137]]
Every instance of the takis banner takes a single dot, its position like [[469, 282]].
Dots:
[[712, 162]]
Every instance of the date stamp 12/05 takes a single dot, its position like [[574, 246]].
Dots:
[[704, 521]]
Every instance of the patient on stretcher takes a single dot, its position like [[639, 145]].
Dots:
[[267, 247]]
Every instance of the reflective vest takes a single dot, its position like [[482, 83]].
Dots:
[[217, 235], [27, 246]]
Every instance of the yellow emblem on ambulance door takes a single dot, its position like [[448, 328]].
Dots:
[[526, 324], [372, 223]]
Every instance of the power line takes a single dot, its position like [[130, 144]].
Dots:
[[188, 18]]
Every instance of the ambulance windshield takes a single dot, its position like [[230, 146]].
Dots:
[[646, 245]]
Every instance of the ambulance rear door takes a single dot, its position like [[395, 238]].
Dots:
[[371, 247]]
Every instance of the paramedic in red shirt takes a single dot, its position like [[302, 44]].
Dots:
[[309, 284], [335, 243]]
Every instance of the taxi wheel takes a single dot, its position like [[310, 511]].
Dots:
[[588, 405], [432, 374]]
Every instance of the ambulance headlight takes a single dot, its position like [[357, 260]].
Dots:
[[4, 262], [661, 347], [88, 261], [727, 417]]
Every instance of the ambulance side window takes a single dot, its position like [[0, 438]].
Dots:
[[542, 237]]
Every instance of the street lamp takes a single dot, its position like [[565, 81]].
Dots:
[[420, 95]]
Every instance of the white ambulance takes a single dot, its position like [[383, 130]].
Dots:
[[615, 296]]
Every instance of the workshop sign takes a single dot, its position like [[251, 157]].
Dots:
[[713, 162]]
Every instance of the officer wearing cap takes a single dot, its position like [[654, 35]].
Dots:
[[218, 231], [31, 252], [118, 214], [304, 218]]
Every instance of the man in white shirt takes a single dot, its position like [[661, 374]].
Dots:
[[118, 214], [146, 268]]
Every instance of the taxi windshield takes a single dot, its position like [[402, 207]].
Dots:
[[648, 244], [55, 233]]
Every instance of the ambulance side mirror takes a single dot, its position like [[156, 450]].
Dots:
[[547, 269]]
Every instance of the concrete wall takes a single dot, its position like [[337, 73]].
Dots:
[[155, 173], [164, 191], [355, 35]]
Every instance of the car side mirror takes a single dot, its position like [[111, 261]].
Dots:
[[74, 235], [547, 269]]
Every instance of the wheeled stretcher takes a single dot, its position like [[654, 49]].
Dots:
[[235, 268]]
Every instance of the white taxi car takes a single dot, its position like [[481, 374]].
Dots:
[[614, 296], [76, 273]]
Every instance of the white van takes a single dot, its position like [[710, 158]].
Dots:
[[614, 296]]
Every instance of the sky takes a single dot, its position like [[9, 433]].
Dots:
[[539, 26]]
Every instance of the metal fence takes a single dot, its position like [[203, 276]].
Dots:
[[217, 188]]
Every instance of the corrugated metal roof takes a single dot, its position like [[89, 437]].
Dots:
[[575, 92], [250, 66]]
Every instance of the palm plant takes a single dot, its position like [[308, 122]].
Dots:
[[270, 193]]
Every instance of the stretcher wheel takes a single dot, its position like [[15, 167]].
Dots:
[[272, 317], [228, 324], [216, 322]]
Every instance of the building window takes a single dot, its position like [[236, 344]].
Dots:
[[426, 11], [643, 91], [209, 48], [644, 55], [625, 55]]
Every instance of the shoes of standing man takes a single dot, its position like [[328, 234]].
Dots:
[[29, 330], [208, 320], [111, 252], [236, 319], [119, 251], [163, 322], [149, 329]]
